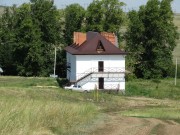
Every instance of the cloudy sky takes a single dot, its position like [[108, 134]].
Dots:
[[131, 4]]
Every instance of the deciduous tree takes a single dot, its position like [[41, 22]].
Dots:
[[104, 15], [7, 41], [151, 38], [28, 36], [74, 17], [28, 50], [46, 17]]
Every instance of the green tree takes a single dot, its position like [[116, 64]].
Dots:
[[94, 16], [7, 41], [28, 36], [28, 49], [104, 15], [47, 18], [151, 37], [74, 17], [134, 38]]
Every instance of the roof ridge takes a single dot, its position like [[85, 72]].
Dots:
[[89, 47]]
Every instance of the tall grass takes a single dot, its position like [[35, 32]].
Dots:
[[155, 112], [30, 110], [27, 109], [20, 116], [164, 88]]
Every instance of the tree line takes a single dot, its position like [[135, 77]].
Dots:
[[151, 38], [29, 33]]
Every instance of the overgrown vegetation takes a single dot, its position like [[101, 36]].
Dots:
[[154, 88], [38, 106]]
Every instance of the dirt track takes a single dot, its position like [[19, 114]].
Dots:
[[117, 125]]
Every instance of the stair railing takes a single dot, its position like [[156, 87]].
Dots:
[[95, 70]]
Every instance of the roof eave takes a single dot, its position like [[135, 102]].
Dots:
[[98, 53]]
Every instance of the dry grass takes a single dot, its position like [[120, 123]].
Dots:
[[30, 110], [21, 116]]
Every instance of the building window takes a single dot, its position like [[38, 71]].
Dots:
[[100, 47]]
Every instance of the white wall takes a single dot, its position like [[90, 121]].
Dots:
[[71, 75], [84, 63], [107, 85]]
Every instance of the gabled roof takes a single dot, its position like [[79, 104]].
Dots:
[[90, 47]]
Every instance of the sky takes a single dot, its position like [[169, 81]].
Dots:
[[130, 4]]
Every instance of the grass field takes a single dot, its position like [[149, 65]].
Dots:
[[31, 106], [37, 106], [154, 88]]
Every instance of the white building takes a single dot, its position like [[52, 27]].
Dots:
[[95, 62]]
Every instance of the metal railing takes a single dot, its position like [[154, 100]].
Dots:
[[105, 70], [84, 80]]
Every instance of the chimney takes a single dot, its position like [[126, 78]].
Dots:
[[111, 37], [79, 38]]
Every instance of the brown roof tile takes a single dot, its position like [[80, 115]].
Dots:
[[89, 47]]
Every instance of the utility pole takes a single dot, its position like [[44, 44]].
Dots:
[[176, 72], [55, 62]]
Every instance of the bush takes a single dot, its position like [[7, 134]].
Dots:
[[172, 71], [62, 82], [130, 77]]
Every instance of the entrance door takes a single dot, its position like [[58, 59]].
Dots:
[[101, 83], [100, 66]]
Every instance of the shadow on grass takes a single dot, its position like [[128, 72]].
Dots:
[[62, 82]]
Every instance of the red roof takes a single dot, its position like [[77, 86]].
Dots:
[[95, 44]]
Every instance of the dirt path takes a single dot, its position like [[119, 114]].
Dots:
[[120, 125]]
